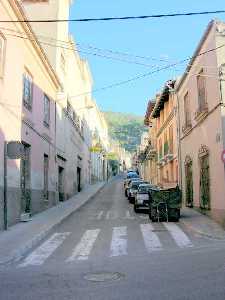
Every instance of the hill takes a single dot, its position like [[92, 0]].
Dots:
[[127, 128]]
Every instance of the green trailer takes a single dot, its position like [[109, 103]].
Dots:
[[165, 204]]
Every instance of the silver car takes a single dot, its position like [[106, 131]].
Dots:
[[142, 196]]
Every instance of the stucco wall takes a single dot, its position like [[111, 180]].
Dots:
[[207, 132]]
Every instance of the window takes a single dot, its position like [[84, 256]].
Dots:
[[27, 91], [187, 116], [171, 139], [166, 145], [160, 149], [46, 111], [2, 54], [201, 91]]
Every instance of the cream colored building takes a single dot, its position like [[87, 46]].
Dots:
[[73, 131]]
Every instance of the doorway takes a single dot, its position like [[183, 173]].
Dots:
[[78, 179], [25, 180], [61, 183], [189, 183], [204, 182]]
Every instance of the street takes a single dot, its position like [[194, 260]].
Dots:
[[106, 251]]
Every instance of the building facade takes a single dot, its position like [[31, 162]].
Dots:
[[201, 98], [28, 87], [165, 115]]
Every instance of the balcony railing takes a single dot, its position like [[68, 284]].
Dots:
[[201, 112], [187, 126]]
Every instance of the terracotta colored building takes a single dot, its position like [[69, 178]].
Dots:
[[164, 115]]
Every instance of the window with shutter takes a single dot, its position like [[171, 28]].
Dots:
[[46, 111], [201, 91], [27, 90]]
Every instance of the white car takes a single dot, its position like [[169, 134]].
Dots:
[[142, 196]]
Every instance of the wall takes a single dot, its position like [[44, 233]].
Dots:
[[207, 132], [11, 109]]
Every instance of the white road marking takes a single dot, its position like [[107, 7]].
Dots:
[[180, 238], [119, 243], [128, 216], [143, 217], [108, 215], [99, 216], [151, 240], [38, 256], [83, 249], [111, 215]]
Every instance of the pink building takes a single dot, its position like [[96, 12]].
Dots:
[[201, 108], [28, 86]]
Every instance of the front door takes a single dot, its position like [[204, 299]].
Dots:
[[25, 181], [78, 179], [61, 183], [204, 182], [189, 184]]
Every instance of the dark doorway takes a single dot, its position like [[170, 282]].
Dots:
[[25, 181], [204, 182], [61, 183], [189, 184], [78, 179]]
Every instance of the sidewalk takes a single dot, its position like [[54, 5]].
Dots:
[[20, 238], [201, 224]]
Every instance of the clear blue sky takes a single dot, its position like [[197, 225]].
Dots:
[[169, 38]]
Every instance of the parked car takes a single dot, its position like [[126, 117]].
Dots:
[[127, 183], [129, 176], [142, 196], [133, 188]]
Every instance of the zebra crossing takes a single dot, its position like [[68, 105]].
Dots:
[[83, 249], [114, 215]]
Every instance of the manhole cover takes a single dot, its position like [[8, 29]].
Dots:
[[103, 276]]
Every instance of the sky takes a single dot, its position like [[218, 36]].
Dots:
[[160, 41]]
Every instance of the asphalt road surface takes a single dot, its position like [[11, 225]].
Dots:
[[106, 251]]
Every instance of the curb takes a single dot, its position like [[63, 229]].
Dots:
[[202, 233], [18, 254]]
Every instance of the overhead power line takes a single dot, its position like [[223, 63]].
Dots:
[[84, 52], [119, 83], [88, 46], [117, 18]]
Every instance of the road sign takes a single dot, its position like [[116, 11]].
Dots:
[[223, 156], [15, 150]]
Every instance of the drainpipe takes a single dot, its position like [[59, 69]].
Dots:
[[221, 80]]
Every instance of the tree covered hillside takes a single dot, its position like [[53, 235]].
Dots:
[[127, 128]]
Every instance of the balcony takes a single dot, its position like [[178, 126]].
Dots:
[[186, 127], [151, 154], [202, 112]]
